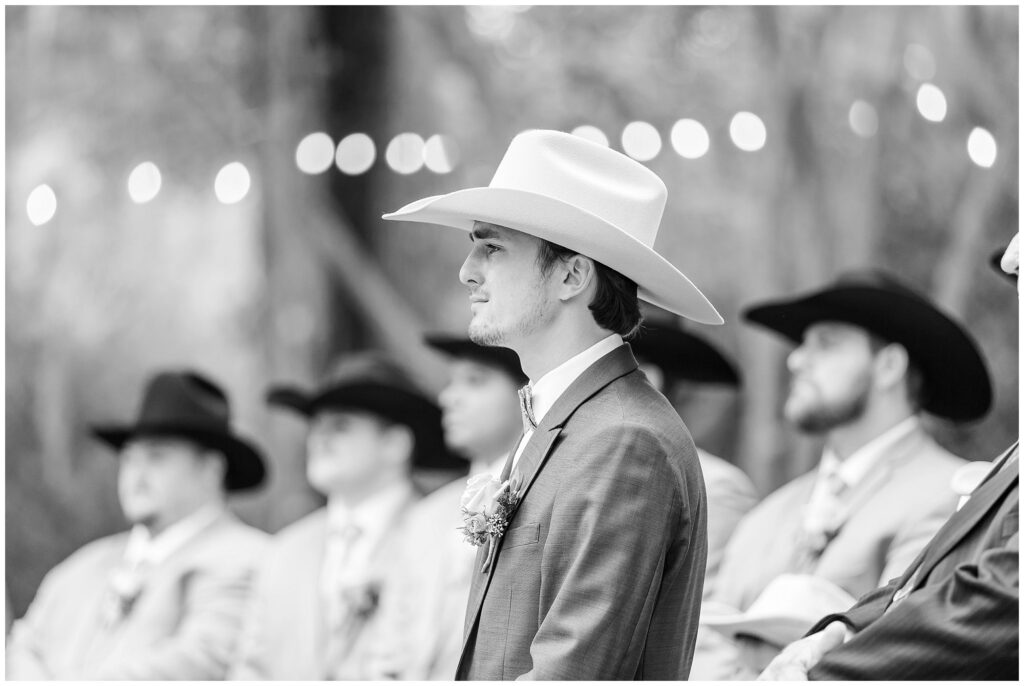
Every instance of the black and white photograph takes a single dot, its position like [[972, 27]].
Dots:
[[486, 343]]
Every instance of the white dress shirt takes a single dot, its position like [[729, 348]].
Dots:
[[550, 387]]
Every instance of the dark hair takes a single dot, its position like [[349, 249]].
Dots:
[[917, 393], [615, 306]]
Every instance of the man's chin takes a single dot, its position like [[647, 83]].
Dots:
[[482, 335]]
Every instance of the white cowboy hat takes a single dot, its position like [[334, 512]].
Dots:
[[582, 196], [785, 610]]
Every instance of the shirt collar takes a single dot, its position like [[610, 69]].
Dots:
[[552, 385], [374, 515], [143, 547], [854, 468]]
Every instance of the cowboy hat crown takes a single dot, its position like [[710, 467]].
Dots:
[[189, 405], [584, 197]]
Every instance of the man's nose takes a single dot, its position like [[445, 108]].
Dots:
[[795, 360], [469, 272]]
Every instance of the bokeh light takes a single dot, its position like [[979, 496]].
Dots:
[[41, 205], [405, 153], [641, 141], [592, 134], [747, 131], [981, 147], [144, 182], [690, 139], [440, 153], [315, 153], [863, 119], [356, 153], [232, 183], [931, 102], [919, 62]]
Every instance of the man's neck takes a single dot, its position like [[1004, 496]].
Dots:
[[545, 350], [847, 439], [357, 494]]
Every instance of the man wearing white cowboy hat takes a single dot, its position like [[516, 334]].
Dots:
[[953, 613], [166, 600], [593, 539], [871, 355], [322, 580]]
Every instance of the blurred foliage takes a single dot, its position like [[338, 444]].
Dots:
[[268, 289]]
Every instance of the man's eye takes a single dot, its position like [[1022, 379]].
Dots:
[[491, 248]]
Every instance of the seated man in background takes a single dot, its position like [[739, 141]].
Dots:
[[420, 629], [323, 577], [871, 355], [954, 613], [166, 600], [669, 355]]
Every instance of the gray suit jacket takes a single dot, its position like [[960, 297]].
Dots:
[[184, 625], [600, 573]]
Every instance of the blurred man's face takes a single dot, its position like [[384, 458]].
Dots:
[[346, 449], [830, 377], [510, 298], [162, 480], [480, 410]]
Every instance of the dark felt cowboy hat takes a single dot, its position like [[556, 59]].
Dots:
[[188, 405], [372, 382], [956, 380], [461, 346], [682, 355]]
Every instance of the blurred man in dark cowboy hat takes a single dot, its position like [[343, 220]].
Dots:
[[871, 355], [593, 540], [953, 613], [164, 601], [670, 356], [420, 635], [324, 575]]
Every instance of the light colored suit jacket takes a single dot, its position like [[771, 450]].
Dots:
[[286, 635], [599, 575], [959, 617], [419, 632], [731, 495], [184, 624], [889, 517]]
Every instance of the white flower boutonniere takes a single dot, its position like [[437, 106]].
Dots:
[[487, 507]]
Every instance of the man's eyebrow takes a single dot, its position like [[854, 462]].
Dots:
[[483, 233]]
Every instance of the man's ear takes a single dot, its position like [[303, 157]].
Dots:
[[579, 274], [892, 364]]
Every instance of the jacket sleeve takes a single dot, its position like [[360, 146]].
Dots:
[[26, 645], [603, 557], [214, 600], [965, 627]]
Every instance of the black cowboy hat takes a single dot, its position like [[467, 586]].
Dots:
[[187, 404], [455, 346], [682, 355], [957, 384], [372, 382]]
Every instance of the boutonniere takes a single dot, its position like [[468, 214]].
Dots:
[[487, 507], [362, 599], [124, 589]]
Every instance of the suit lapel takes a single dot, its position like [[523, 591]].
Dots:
[[615, 364], [986, 497]]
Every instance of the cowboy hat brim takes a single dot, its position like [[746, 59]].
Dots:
[[392, 402], [245, 466], [567, 225], [503, 358], [682, 355], [777, 630], [957, 384]]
